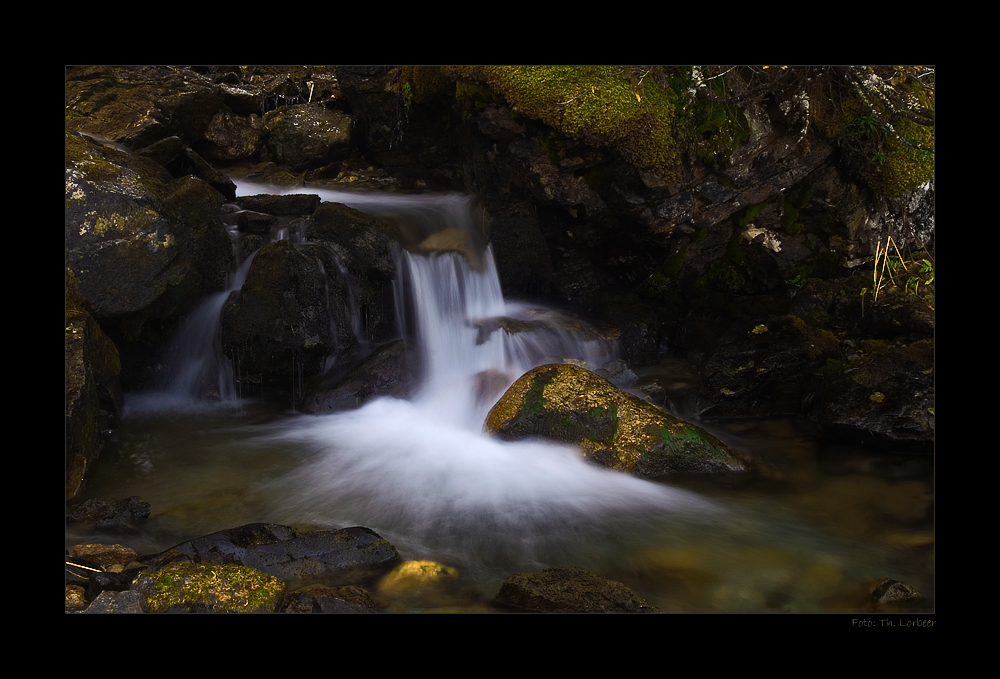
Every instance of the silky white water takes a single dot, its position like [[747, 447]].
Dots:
[[423, 469]]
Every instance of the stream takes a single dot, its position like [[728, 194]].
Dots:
[[421, 473]]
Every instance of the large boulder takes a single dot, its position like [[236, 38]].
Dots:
[[307, 135], [138, 105], [134, 234], [291, 315], [387, 371], [204, 588], [613, 428], [282, 552]]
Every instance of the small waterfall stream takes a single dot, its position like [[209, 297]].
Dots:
[[421, 473]]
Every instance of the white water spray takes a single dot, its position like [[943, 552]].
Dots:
[[423, 470]]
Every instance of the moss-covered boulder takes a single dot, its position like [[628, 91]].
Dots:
[[613, 428], [207, 588]]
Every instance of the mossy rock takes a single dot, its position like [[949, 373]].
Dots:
[[613, 428], [204, 588], [601, 104]]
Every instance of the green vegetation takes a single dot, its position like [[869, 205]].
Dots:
[[612, 105], [892, 268], [225, 588], [421, 84], [886, 127]]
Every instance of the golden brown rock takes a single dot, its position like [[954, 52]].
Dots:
[[613, 428]]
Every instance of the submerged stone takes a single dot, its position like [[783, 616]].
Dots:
[[613, 428], [570, 590]]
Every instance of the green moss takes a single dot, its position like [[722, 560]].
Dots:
[[600, 102], [534, 400], [662, 283], [789, 219], [905, 168], [718, 128], [228, 588], [887, 164], [684, 441], [746, 215], [480, 95], [421, 84], [550, 152]]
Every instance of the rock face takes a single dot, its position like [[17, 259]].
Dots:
[[291, 314], [93, 394], [614, 429], [387, 371]]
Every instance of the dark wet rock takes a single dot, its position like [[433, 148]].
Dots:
[[139, 105], [234, 137], [180, 160], [613, 428], [889, 592], [570, 590], [290, 204], [94, 398], [307, 135], [523, 262], [764, 368], [141, 246], [387, 371], [291, 314], [617, 372], [115, 602], [248, 221], [363, 242], [119, 515], [882, 393], [282, 552], [321, 599]]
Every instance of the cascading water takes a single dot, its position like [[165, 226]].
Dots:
[[422, 471], [198, 368]]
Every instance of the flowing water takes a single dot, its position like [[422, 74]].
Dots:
[[421, 473]]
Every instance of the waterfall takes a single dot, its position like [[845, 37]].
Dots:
[[422, 469], [196, 371]]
